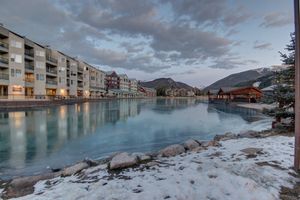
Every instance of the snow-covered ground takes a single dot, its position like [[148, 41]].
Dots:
[[257, 106], [217, 173]]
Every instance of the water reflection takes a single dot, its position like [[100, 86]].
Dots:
[[57, 136]]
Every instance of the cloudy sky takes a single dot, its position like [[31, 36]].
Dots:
[[195, 41]]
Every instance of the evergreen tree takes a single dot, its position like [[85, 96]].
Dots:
[[284, 91]]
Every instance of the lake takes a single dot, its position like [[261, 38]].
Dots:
[[33, 141]]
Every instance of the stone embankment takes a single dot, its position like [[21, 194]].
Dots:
[[25, 185]]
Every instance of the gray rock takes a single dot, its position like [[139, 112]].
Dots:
[[25, 185], [212, 143], [172, 150], [142, 157], [252, 151], [75, 169], [191, 144], [123, 160], [226, 136]]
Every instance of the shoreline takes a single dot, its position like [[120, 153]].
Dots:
[[22, 186]]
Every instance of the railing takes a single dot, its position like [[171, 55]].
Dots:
[[29, 53], [52, 71], [51, 59], [29, 66], [80, 77], [3, 44], [80, 69], [80, 85], [3, 60], [4, 76], [51, 82], [28, 79]]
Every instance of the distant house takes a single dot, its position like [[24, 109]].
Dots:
[[237, 94], [112, 80], [147, 92]]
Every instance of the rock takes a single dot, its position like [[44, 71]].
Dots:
[[212, 143], [75, 169], [191, 144], [172, 150], [142, 157], [252, 151], [249, 134], [226, 136], [25, 185], [123, 160]]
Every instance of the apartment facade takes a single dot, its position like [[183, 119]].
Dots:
[[29, 70]]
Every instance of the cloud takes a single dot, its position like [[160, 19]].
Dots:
[[277, 19], [231, 63], [262, 45]]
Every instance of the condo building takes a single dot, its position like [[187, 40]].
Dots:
[[29, 70]]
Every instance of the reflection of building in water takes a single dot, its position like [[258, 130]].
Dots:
[[73, 120], [17, 139], [124, 109], [62, 117], [246, 113], [39, 119], [133, 108], [86, 118]]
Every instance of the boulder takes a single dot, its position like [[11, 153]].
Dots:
[[191, 144], [75, 169], [172, 150], [212, 143], [226, 136], [142, 157], [252, 151], [25, 185], [123, 160]]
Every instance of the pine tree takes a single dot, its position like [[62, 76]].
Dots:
[[284, 91]]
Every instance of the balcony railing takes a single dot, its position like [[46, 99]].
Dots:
[[29, 66], [80, 77], [3, 60], [29, 79], [80, 69], [29, 53], [80, 85], [4, 76], [51, 82], [52, 71], [51, 59], [3, 44]]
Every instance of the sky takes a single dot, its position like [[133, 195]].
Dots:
[[193, 41]]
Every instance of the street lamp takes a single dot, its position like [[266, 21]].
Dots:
[[297, 86]]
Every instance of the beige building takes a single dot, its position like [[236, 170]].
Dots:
[[124, 82], [29, 70]]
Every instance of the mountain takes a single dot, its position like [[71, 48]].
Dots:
[[166, 83], [261, 78]]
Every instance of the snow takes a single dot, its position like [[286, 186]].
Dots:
[[257, 106], [256, 84], [216, 173]]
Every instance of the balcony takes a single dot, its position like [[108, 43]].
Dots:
[[4, 76], [80, 77], [51, 71], [51, 59], [80, 85], [29, 67], [3, 47], [3, 61], [51, 82], [29, 81], [80, 69], [29, 53]]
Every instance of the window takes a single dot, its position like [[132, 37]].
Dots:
[[59, 80], [40, 65], [42, 77], [40, 53], [37, 76], [18, 73], [71, 82], [12, 72], [16, 58], [16, 44], [63, 59]]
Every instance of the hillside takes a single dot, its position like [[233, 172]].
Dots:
[[166, 83], [261, 76]]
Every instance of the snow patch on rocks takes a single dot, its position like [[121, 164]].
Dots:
[[220, 172]]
